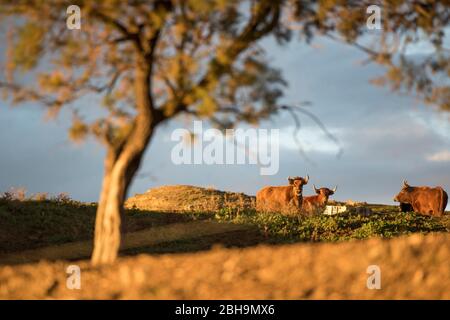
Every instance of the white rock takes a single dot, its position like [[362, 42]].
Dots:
[[332, 210]]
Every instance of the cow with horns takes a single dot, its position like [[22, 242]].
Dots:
[[286, 199], [423, 200], [317, 203]]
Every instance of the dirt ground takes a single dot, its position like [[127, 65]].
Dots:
[[414, 267]]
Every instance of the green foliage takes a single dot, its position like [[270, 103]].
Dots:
[[198, 53], [78, 130], [19, 194], [336, 228], [30, 224], [404, 24], [29, 45], [205, 56]]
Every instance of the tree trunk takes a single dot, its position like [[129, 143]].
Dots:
[[121, 164], [109, 222]]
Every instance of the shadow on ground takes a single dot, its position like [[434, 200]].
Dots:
[[47, 230], [63, 230]]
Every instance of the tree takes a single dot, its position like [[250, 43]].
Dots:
[[404, 25], [151, 61]]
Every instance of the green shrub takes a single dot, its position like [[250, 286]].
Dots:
[[337, 227]]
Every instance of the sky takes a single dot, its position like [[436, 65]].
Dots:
[[383, 138]]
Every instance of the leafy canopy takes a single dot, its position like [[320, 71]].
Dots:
[[203, 56], [406, 26]]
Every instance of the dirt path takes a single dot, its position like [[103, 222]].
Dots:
[[414, 267], [145, 238]]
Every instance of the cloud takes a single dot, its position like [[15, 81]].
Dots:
[[310, 140], [441, 156], [420, 49], [437, 122]]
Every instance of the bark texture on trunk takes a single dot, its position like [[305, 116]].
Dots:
[[121, 164], [110, 212]]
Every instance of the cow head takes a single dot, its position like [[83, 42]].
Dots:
[[325, 191], [404, 195], [298, 183]]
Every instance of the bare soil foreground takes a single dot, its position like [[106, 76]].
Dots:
[[412, 267]]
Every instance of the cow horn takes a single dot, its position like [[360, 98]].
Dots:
[[307, 178], [315, 189], [335, 188], [405, 183]]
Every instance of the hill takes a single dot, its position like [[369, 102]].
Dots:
[[184, 198], [189, 219]]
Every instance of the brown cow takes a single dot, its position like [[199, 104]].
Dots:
[[317, 203], [282, 198], [424, 200]]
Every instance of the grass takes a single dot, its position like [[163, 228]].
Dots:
[[30, 224], [385, 222], [39, 222]]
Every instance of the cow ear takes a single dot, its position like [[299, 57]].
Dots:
[[291, 181]]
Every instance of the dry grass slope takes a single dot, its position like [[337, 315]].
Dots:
[[184, 198], [414, 267]]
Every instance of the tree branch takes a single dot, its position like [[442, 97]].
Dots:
[[30, 94], [126, 34], [256, 28]]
